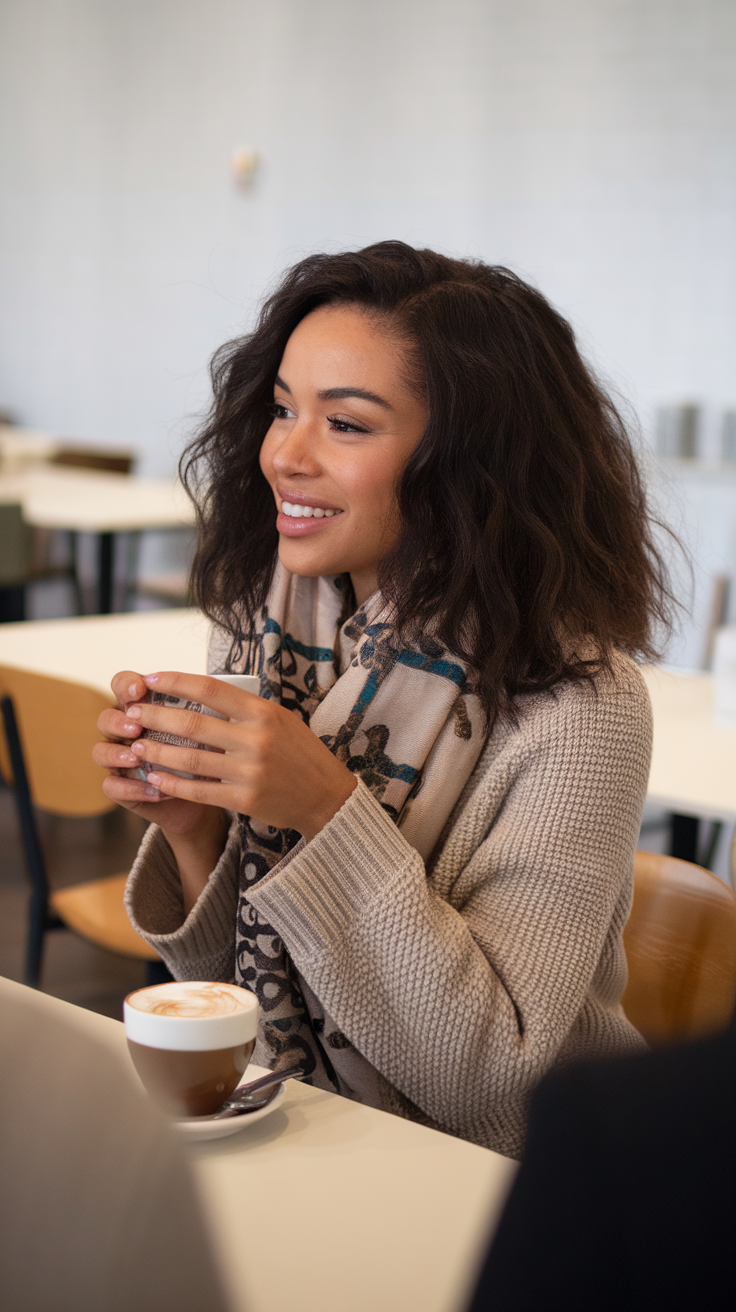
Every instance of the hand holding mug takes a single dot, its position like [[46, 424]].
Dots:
[[121, 786], [268, 763]]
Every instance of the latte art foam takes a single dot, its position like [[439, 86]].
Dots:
[[191, 1000]]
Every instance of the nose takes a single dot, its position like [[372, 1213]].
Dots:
[[297, 452]]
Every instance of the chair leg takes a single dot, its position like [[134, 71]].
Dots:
[[157, 973], [34, 951], [684, 837], [39, 918], [76, 581], [106, 573], [132, 555], [12, 604], [707, 856]]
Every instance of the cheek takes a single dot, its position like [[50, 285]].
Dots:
[[265, 456], [379, 500], [370, 484]]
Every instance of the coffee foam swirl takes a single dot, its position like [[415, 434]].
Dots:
[[194, 1001]]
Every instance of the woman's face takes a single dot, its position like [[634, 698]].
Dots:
[[345, 423]]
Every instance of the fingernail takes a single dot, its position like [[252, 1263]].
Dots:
[[139, 748], [134, 713], [132, 689], [154, 778], [127, 756], [151, 678], [131, 728], [153, 792]]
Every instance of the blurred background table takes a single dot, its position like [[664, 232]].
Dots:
[[82, 500], [693, 761], [693, 772], [92, 648]]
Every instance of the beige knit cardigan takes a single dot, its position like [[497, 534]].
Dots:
[[445, 992]]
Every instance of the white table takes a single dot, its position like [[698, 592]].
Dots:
[[86, 501], [328, 1206]]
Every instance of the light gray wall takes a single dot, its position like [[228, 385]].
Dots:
[[589, 144]]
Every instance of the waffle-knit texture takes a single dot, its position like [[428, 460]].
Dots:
[[444, 992]]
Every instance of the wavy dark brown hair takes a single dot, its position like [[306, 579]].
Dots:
[[526, 544]]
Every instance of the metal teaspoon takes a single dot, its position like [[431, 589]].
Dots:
[[251, 1097]]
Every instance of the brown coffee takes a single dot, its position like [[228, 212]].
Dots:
[[190, 1083]]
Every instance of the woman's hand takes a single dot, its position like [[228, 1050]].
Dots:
[[196, 833], [115, 755], [269, 763]]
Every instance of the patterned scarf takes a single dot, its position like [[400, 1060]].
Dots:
[[403, 717]]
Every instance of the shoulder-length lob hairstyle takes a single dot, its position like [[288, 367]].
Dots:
[[526, 539]]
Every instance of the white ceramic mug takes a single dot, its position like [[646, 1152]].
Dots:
[[190, 1042]]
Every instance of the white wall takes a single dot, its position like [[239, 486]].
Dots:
[[589, 144]]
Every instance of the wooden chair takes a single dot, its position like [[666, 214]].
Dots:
[[50, 727], [680, 943]]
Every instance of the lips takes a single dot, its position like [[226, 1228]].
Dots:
[[319, 514], [303, 528]]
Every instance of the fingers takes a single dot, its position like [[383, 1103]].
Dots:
[[206, 792], [234, 703], [116, 724], [129, 792], [128, 687], [189, 759], [183, 724], [114, 756]]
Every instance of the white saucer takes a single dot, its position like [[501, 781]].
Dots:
[[206, 1127]]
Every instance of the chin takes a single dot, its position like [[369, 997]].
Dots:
[[297, 563]]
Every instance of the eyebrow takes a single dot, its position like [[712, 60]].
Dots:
[[341, 394]]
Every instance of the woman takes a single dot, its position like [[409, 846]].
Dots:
[[421, 523]]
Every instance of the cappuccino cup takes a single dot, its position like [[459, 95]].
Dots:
[[190, 1042], [249, 682]]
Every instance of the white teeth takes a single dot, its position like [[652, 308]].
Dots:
[[305, 512]]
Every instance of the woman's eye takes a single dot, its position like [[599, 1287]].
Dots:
[[345, 426], [277, 411]]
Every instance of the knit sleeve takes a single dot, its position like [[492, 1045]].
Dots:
[[202, 945], [464, 987]]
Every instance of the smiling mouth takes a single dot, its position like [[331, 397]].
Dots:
[[294, 511]]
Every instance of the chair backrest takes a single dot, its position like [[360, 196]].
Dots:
[[680, 943], [57, 721]]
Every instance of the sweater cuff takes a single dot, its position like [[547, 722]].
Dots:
[[203, 942], [316, 893]]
